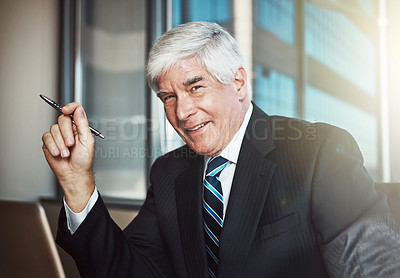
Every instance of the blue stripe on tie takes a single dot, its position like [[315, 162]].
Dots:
[[212, 255], [213, 190], [211, 273], [217, 170], [213, 206], [211, 235], [213, 214]]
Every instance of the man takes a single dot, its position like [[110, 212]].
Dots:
[[249, 195]]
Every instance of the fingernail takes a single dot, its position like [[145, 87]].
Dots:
[[64, 153], [54, 152], [69, 141]]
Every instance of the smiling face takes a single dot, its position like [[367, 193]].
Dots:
[[205, 113]]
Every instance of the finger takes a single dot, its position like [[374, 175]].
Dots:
[[81, 122], [47, 154], [51, 160], [82, 125], [69, 108], [46, 151], [59, 140], [49, 145], [65, 125]]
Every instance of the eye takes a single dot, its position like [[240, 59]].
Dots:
[[168, 99], [195, 88]]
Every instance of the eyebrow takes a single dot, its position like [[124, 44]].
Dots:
[[161, 94], [188, 82], [193, 80]]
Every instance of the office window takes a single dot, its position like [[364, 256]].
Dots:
[[275, 93], [334, 40], [201, 10], [331, 78], [274, 57], [342, 76], [277, 16], [110, 54]]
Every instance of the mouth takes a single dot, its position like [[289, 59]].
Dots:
[[197, 127]]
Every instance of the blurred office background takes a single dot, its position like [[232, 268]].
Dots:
[[334, 61]]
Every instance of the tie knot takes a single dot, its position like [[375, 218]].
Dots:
[[215, 165]]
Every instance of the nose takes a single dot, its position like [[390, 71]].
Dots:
[[184, 107]]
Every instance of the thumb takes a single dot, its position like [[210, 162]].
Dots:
[[82, 125]]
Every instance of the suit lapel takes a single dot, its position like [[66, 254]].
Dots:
[[188, 198], [248, 194]]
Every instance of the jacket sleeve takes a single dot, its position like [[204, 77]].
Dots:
[[358, 236], [101, 249]]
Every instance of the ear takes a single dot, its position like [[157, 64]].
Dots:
[[240, 82]]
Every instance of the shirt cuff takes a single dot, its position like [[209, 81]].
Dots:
[[74, 220]]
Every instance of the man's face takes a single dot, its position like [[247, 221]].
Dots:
[[205, 113]]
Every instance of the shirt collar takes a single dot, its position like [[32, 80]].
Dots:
[[231, 152]]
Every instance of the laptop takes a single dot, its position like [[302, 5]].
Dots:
[[27, 247]]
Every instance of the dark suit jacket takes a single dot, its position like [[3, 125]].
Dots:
[[301, 205]]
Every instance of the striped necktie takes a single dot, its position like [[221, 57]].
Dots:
[[213, 207]]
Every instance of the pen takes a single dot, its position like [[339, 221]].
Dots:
[[58, 107]]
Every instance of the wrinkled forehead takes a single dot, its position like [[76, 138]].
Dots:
[[184, 72]]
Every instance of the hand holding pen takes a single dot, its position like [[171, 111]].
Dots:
[[58, 107], [69, 150]]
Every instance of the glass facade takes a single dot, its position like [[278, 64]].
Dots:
[[274, 35], [205, 10], [277, 16], [335, 41], [275, 93], [335, 48]]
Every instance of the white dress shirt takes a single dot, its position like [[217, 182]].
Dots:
[[231, 153]]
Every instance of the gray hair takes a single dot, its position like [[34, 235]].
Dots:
[[210, 43]]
